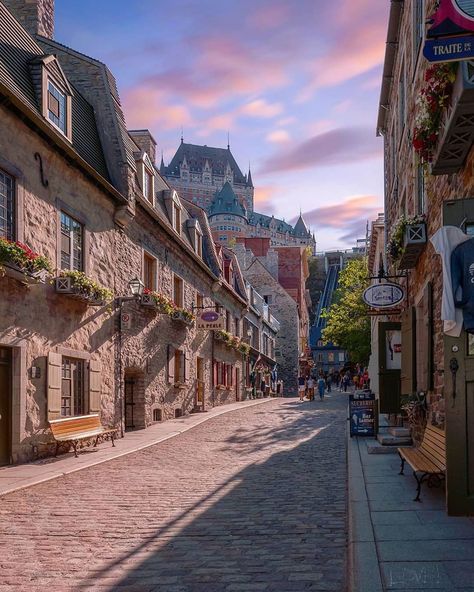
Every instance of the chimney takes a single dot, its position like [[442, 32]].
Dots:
[[144, 140], [36, 16]]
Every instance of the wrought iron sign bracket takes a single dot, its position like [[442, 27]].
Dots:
[[44, 181]]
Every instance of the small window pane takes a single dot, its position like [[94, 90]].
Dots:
[[57, 107], [71, 243], [470, 344], [6, 206]]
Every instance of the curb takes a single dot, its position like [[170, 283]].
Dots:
[[221, 411], [363, 564]]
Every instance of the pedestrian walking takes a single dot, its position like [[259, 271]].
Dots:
[[356, 381], [321, 387], [301, 387], [329, 382], [345, 381], [310, 388]]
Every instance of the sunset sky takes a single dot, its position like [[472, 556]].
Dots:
[[295, 82]]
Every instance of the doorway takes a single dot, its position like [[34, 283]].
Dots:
[[459, 392], [390, 349], [130, 388], [5, 405], [237, 384]]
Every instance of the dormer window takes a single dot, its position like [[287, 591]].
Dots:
[[57, 107], [148, 185], [199, 244], [176, 217]]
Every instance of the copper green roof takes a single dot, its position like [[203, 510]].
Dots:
[[227, 202]]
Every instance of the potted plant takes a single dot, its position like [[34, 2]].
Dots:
[[182, 315], [157, 301], [77, 285], [19, 261], [407, 241], [244, 348]]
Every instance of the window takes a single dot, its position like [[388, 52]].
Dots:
[[199, 244], [320, 343], [57, 107], [402, 98], [179, 366], [420, 190], [72, 387], [320, 357], [237, 327], [199, 301], [178, 294], [149, 271], [148, 186], [268, 299], [342, 357], [72, 241], [7, 213], [418, 28], [331, 357], [177, 218], [227, 321]]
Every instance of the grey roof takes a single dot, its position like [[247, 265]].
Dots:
[[264, 220], [227, 202], [19, 53], [97, 84], [196, 157], [301, 229]]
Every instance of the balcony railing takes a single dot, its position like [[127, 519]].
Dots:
[[456, 134]]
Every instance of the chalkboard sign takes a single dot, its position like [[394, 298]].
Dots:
[[363, 414]]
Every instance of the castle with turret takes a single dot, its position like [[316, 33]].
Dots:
[[211, 178]]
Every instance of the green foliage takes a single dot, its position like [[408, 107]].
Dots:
[[21, 255], [88, 287], [348, 324]]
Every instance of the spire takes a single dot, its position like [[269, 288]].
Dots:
[[162, 164], [182, 135], [228, 141], [249, 178]]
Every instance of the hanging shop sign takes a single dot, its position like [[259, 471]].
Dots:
[[210, 320], [451, 35], [384, 295]]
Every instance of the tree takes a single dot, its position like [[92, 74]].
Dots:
[[348, 324]]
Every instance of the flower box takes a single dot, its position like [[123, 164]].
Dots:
[[68, 285], [148, 300], [183, 317], [179, 385], [25, 275], [414, 242]]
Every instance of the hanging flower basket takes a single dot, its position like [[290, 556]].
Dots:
[[157, 301], [17, 260], [407, 241], [77, 285], [431, 105]]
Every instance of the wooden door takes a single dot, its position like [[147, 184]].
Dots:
[[129, 402], [237, 384], [200, 382], [5, 405], [459, 393], [390, 344]]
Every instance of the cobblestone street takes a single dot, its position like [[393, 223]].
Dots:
[[252, 500]]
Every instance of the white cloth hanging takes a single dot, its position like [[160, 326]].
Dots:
[[444, 241]]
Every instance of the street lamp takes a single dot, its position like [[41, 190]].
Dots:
[[136, 287]]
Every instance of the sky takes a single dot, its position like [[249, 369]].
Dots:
[[295, 84]]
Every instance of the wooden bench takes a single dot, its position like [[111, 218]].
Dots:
[[75, 429], [428, 461]]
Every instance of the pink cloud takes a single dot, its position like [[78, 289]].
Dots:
[[279, 136], [335, 147], [146, 107], [261, 108]]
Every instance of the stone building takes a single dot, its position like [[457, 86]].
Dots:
[[439, 194], [81, 201], [211, 178]]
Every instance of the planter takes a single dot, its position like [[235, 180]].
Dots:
[[181, 317], [23, 275], [414, 242], [179, 385], [65, 285], [148, 300]]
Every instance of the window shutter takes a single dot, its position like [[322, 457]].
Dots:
[[54, 385], [170, 360], [215, 375], [428, 331], [185, 367], [95, 380], [408, 374]]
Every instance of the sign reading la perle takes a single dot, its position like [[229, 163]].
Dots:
[[210, 320], [451, 35]]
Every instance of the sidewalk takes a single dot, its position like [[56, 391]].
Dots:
[[20, 476], [395, 543]]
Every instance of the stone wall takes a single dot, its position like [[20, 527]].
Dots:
[[35, 315]]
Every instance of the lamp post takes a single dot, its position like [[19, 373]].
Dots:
[[136, 287]]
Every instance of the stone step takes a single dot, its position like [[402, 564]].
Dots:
[[399, 432], [387, 440]]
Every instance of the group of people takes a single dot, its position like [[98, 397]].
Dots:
[[342, 380]]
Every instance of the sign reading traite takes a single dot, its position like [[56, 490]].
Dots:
[[451, 35], [210, 320]]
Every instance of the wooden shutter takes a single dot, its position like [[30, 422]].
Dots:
[[95, 386], [54, 385], [185, 361], [214, 374], [170, 363], [408, 370]]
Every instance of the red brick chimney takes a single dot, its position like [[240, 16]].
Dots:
[[36, 16]]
